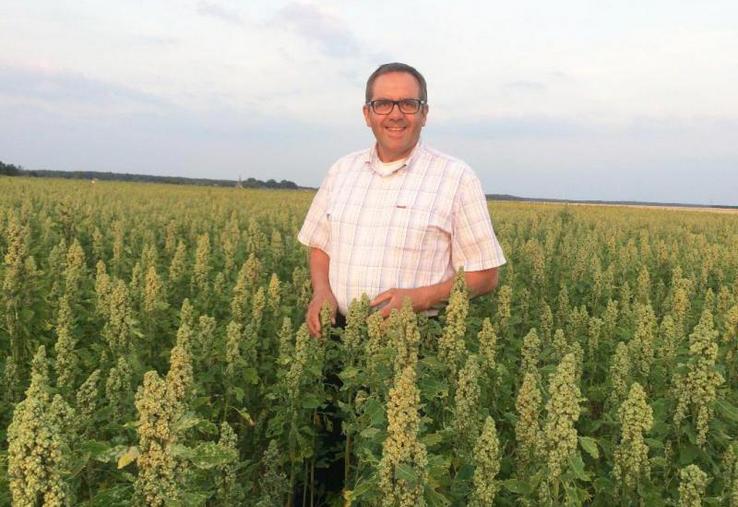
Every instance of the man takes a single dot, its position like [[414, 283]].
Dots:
[[397, 220]]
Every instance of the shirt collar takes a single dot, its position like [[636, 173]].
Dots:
[[371, 157]]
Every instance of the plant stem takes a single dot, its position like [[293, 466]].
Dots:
[[312, 482], [305, 486], [291, 498], [347, 461]]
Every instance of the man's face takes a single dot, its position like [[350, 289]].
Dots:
[[397, 133]]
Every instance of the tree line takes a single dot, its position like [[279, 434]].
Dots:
[[13, 170]]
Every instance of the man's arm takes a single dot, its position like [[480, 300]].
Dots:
[[425, 298], [319, 265]]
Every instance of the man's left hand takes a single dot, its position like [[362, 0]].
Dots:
[[393, 298]]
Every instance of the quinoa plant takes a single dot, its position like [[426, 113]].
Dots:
[[631, 456], [487, 465], [692, 484], [451, 345], [562, 412], [696, 388], [38, 439]]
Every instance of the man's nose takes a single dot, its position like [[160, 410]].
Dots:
[[395, 112]]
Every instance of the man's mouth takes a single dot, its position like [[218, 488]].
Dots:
[[395, 129]]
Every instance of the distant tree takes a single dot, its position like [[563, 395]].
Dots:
[[10, 169], [13, 170]]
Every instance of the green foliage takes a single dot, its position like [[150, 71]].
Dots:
[[602, 371]]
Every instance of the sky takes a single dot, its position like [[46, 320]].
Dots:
[[570, 99]]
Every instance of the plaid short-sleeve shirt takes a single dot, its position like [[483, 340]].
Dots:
[[411, 228]]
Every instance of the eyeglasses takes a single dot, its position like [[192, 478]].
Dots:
[[385, 106]]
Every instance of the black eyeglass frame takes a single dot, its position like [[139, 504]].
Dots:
[[420, 103]]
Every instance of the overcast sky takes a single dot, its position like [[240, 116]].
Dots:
[[569, 99]]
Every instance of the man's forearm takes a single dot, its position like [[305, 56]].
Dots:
[[478, 283], [319, 269], [322, 294], [431, 296]]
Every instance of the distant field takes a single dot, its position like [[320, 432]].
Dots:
[[640, 206], [675, 208]]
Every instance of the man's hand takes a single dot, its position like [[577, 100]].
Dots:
[[425, 298], [322, 293], [394, 298], [312, 317]]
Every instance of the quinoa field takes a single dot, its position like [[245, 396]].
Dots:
[[153, 353]]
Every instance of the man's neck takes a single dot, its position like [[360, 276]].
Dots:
[[387, 168], [387, 158]]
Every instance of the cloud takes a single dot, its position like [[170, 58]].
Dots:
[[525, 86], [513, 127], [214, 10], [64, 86], [327, 31], [157, 41]]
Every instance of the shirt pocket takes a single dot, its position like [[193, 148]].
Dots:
[[343, 225], [416, 229]]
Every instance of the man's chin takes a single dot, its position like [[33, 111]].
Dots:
[[398, 145]]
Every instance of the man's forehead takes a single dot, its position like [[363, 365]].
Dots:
[[396, 81]]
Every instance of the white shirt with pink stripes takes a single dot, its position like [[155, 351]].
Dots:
[[408, 227]]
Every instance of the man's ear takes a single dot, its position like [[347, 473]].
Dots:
[[366, 112], [425, 114]]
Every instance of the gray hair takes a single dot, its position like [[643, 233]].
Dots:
[[396, 67]]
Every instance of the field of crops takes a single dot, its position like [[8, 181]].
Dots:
[[153, 352]]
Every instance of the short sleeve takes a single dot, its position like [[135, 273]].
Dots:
[[316, 231], [474, 245]]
